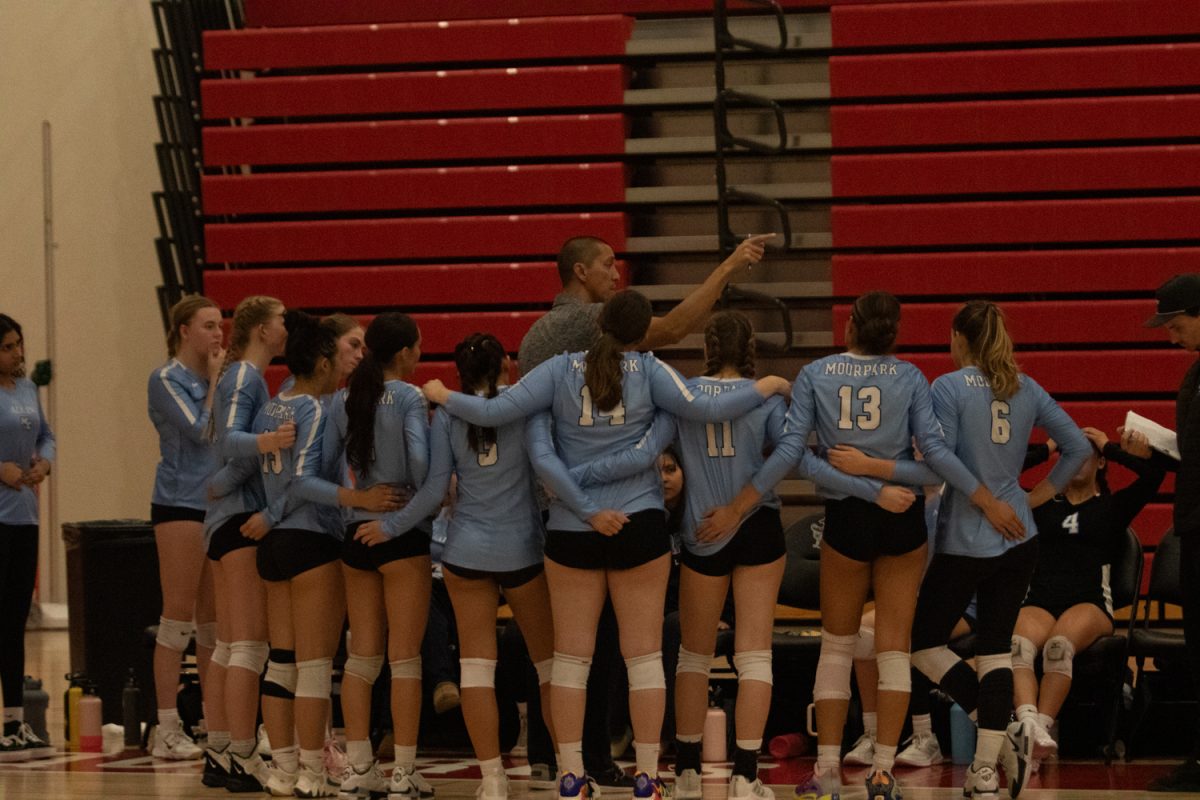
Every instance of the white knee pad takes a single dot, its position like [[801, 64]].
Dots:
[[991, 663], [895, 671], [753, 665], [646, 672], [1058, 656], [249, 655], [698, 663], [834, 666], [477, 673], [206, 635], [174, 634], [935, 662], [365, 668], [1024, 652], [406, 669], [314, 678], [545, 670], [570, 672], [221, 654], [280, 680], [864, 648]]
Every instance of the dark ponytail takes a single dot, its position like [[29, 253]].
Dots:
[[307, 343], [729, 341], [479, 359], [876, 318], [624, 321], [386, 336]]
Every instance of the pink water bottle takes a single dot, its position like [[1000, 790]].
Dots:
[[713, 741], [789, 745], [91, 720]]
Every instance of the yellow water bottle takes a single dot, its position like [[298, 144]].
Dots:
[[74, 695]]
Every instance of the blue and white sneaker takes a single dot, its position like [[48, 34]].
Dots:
[[648, 787], [573, 787], [821, 787]]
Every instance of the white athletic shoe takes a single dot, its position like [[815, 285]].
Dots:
[[264, 743], [248, 774], [922, 751], [742, 789], [542, 776], [407, 785], [315, 783], [172, 743], [281, 783], [687, 785], [12, 749], [981, 785], [1016, 754], [493, 787], [34, 744], [371, 782], [863, 752], [1044, 746]]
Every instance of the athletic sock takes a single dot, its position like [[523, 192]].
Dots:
[[286, 758], [406, 757], [242, 748], [1027, 711], [871, 723], [218, 741], [745, 759], [646, 756], [493, 766], [829, 757], [987, 748], [885, 758], [1046, 721], [687, 753], [570, 758], [169, 718], [312, 760], [922, 724], [359, 754]]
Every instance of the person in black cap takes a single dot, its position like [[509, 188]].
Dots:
[[1179, 313]]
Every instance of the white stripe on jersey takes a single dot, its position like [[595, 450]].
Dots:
[[1106, 588], [187, 412], [241, 381], [312, 435], [675, 376]]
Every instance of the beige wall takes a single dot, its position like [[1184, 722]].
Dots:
[[85, 66]]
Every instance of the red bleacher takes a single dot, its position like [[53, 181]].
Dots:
[[1086, 372], [417, 43]]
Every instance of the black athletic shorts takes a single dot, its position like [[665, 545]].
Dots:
[[228, 537], [1056, 603], [863, 531], [513, 579], [362, 556], [759, 541], [160, 514], [642, 539], [285, 553]]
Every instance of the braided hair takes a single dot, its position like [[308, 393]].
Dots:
[[480, 359], [729, 342]]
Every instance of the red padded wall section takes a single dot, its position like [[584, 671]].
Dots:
[[1087, 371]]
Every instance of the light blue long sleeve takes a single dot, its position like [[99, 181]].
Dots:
[[440, 466], [631, 460], [539, 443]]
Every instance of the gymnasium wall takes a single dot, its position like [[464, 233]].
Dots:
[[85, 66]]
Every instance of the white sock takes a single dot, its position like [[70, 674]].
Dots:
[[218, 740], [829, 756], [987, 748], [312, 760], [748, 744], [169, 718], [493, 766], [1027, 711], [243, 748], [871, 722], [286, 758], [922, 725], [885, 758], [646, 756], [1046, 721], [406, 757], [570, 758], [358, 753]]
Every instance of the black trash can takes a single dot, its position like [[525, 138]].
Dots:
[[113, 594]]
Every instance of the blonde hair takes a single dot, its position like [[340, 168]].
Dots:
[[982, 325], [250, 313], [181, 314]]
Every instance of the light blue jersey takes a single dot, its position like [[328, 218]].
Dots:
[[241, 392], [24, 433], [583, 433], [990, 436], [186, 457], [877, 404], [496, 525], [401, 443], [298, 495]]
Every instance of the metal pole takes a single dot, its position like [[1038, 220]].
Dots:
[[53, 587]]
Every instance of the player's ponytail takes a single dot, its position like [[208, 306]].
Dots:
[[729, 342], [982, 325], [250, 313], [875, 323], [624, 321], [181, 314], [387, 335], [307, 343], [479, 359]]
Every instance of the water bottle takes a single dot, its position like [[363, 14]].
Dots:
[[713, 740], [962, 736], [71, 700], [36, 701], [91, 720], [131, 711], [788, 745]]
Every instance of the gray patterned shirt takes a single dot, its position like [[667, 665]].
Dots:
[[570, 326]]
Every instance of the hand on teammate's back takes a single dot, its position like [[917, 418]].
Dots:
[[256, 527], [436, 392], [896, 499], [1004, 519], [11, 474]]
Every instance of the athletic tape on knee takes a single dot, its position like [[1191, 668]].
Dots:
[[174, 634], [895, 671], [646, 672], [991, 663], [206, 635], [545, 670], [221, 654], [280, 680], [1058, 656], [864, 648], [1024, 652], [697, 663], [249, 655], [477, 673], [365, 668], [834, 666], [314, 678], [406, 669], [935, 662], [753, 665], [570, 672]]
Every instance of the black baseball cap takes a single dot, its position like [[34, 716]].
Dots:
[[1180, 294]]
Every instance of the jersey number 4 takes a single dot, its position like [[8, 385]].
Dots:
[[869, 419], [616, 416]]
